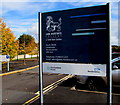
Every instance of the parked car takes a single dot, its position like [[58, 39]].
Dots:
[[100, 83]]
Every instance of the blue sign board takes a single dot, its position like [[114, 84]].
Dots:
[[76, 41], [76, 36]]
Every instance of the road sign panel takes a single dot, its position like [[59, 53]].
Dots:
[[76, 37], [4, 58]]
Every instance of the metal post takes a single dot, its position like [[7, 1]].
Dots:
[[109, 65], [110, 68], [8, 66], [17, 57], [24, 50], [40, 56]]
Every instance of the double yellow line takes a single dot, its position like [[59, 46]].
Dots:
[[55, 85], [17, 71], [48, 89], [32, 100]]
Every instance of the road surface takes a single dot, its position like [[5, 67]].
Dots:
[[20, 87]]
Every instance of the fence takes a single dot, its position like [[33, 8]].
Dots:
[[26, 56]]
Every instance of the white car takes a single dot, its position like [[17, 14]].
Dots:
[[100, 83]]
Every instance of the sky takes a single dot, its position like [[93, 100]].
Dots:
[[22, 16]]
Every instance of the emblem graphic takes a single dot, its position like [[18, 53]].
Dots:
[[53, 26]]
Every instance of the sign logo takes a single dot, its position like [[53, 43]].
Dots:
[[53, 68], [95, 70], [53, 26]]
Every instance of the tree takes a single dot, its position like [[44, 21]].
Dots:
[[26, 44], [34, 51], [8, 40]]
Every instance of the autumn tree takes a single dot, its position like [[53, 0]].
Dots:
[[35, 51], [26, 44], [8, 40]]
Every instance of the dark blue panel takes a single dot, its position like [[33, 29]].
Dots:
[[76, 36]]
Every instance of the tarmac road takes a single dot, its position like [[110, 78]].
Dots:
[[20, 87], [67, 93]]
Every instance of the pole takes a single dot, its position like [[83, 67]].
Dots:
[[8, 66], [110, 56], [24, 49], [40, 56], [109, 64], [17, 57]]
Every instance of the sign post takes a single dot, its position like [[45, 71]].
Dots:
[[41, 64], [76, 41], [8, 57], [5, 58], [8, 66]]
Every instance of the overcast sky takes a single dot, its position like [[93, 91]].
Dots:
[[22, 16]]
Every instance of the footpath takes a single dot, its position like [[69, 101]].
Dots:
[[20, 64]]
